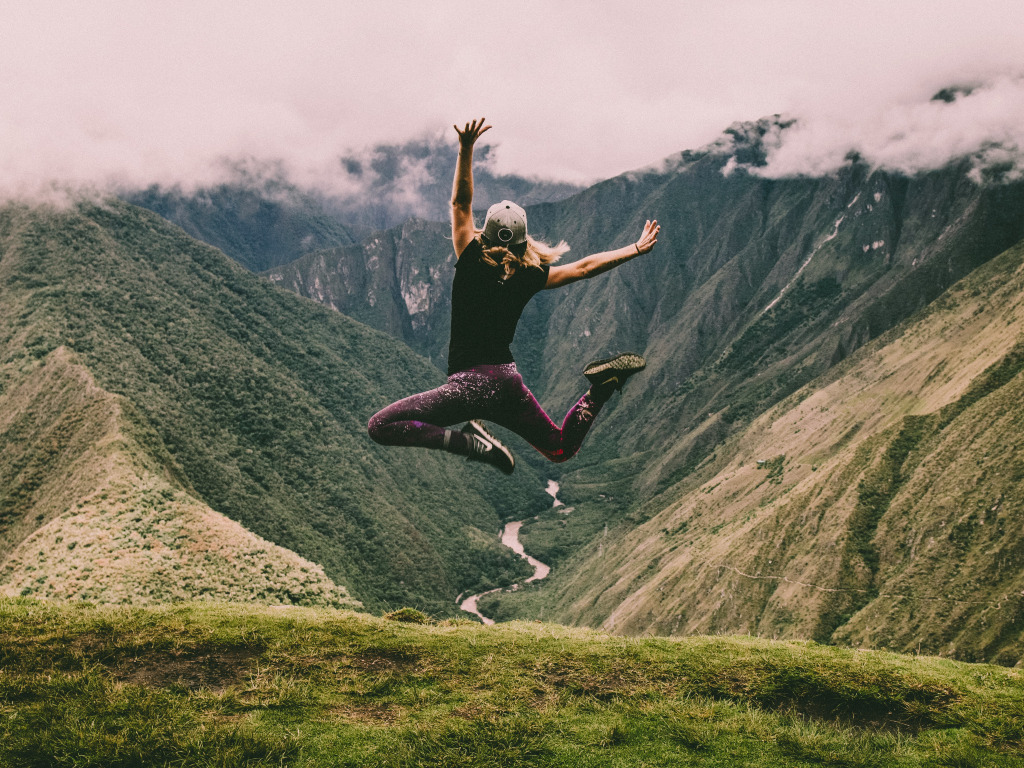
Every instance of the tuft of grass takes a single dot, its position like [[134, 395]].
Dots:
[[409, 616]]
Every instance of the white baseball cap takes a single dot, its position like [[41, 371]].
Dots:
[[505, 224]]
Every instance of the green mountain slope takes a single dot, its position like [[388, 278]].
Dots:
[[880, 506], [757, 288], [88, 513], [243, 686], [758, 285], [248, 400]]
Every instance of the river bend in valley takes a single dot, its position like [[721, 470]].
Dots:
[[510, 538]]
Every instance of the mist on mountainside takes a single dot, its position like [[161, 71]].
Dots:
[[264, 213], [262, 218]]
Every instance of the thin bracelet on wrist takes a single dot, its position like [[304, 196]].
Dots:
[[637, 246]]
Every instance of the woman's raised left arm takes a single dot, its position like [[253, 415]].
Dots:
[[596, 264], [462, 187]]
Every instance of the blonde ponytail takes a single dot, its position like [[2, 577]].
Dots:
[[537, 253]]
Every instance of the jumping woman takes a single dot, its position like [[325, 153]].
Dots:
[[499, 269]]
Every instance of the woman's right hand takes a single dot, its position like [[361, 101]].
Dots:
[[472, 131], [649, 238]]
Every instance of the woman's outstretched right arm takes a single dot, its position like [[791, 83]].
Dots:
[[463, 230], [596, 264]]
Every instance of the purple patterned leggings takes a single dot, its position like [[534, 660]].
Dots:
[[493, 393]]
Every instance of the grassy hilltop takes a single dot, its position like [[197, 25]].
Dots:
[[232, 686]]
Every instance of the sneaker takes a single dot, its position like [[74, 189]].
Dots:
[[611, 373], [485, 447]]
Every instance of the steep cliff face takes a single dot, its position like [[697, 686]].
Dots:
[[398, 281]]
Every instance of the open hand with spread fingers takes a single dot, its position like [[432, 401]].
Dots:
[[472, 132], [649, 238]]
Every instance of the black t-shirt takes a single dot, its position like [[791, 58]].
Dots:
[[486, 309]]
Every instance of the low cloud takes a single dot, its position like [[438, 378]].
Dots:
[[982, 121], [109, 94], [370, 189]]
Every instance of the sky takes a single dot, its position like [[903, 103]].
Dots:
[[114, 92]]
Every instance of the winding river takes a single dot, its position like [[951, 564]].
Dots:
[[510, 538]]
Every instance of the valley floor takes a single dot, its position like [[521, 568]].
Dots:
[[232, 685]]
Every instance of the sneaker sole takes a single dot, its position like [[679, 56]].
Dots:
[[627, 363], [478, 429]]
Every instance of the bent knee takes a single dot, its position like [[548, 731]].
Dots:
[[375, 427], [557, 456]]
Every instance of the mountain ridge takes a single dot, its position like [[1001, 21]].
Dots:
[[107, 523]]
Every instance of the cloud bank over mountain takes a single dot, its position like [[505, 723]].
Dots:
[[112, 92], [982, 121]]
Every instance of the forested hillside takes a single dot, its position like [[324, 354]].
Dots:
[[190, 381], [260, 224]]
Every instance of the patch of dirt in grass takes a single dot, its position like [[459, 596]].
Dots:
[[215, 670], [604, 685], [474, 710], [367, 712], [890, 702], [379, 660]]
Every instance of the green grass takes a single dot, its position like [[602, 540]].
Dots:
[[224, 685]]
